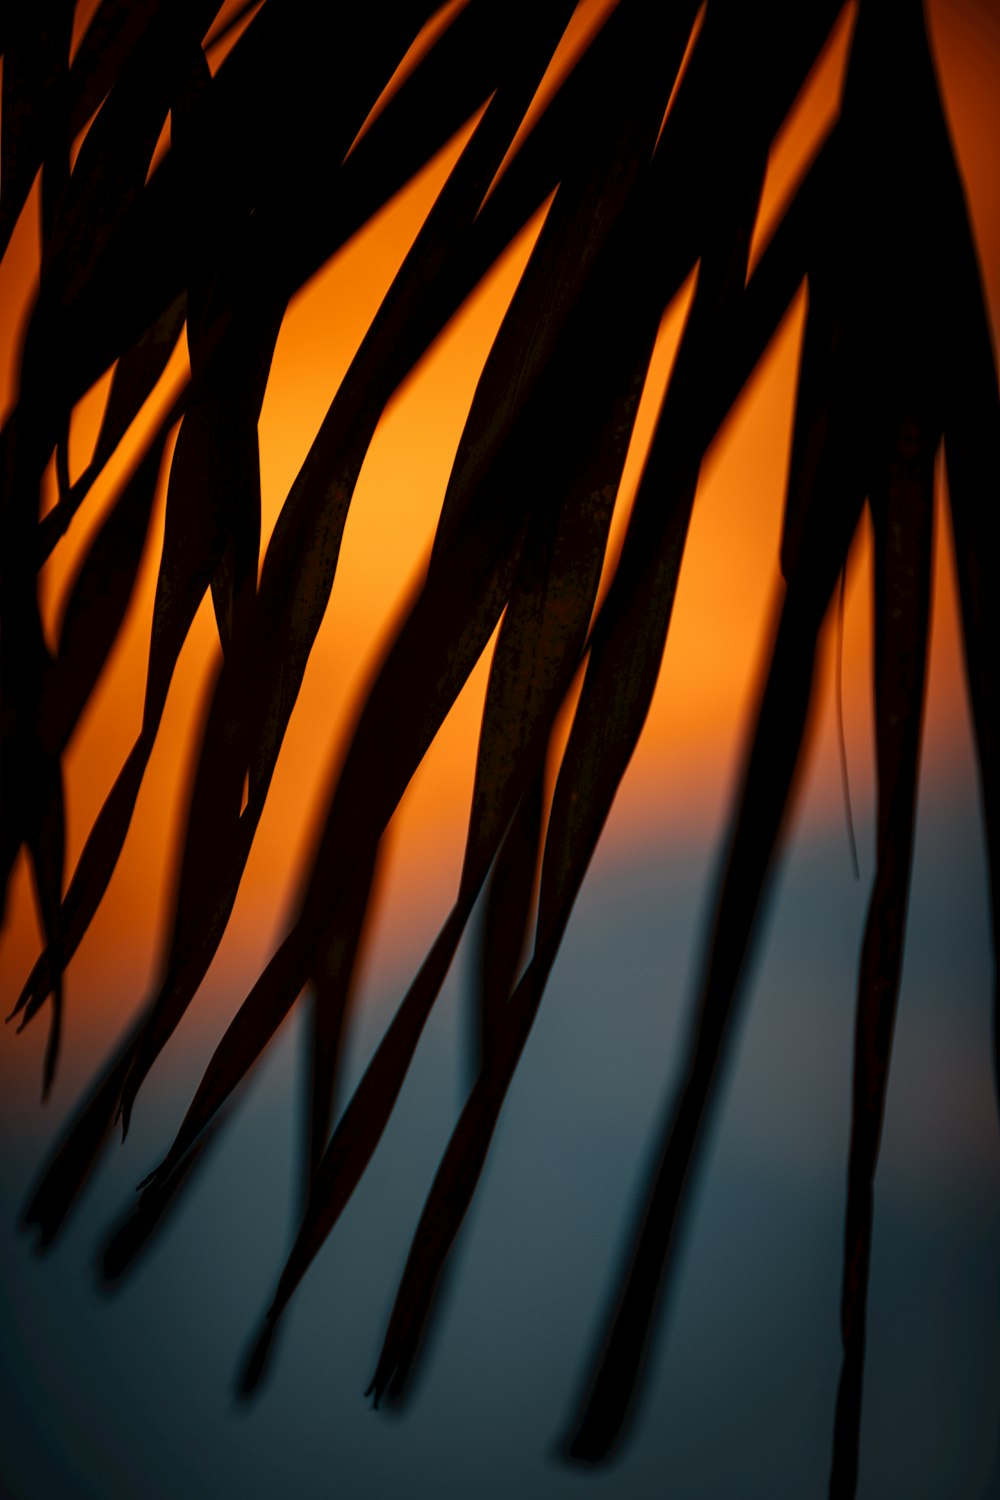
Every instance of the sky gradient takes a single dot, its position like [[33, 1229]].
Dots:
[[131, 1395]]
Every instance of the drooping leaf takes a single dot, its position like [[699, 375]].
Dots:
[[763, 802], [354, 1139], [284, 197], [214, 484], [288, 659], [89, 881], [504, 931], [116, 29], [135, 377], [214, 288], [363, 1123], [194, 538], [138, 1228], [336, 1183], [902, 509], [26, 774], [97, 603], [332, 980], [455, 616], [109, 173], [871, 349], [98, 600], [47, 851], [226, 25], [231, 551], [463, 1162], [93, 306], [35, 64], [972, 451], [934, 264], [111, 169], [539, 647], [73, 1159]]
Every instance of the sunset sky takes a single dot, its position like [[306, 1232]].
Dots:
[[781, 1156]]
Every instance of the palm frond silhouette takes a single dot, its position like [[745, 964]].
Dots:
[[648, 162]]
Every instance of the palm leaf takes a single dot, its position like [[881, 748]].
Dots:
[[508, 909], [972, 448], [643, 183], [135, 377], [856, 337], [482, 519], [36, 61], [585, 806], [902, 510], [75, 1154]]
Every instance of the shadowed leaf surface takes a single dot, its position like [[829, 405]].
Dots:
[[641, 180], [657, 550], [468, 580], [135, 377], [972, 450], [74, 1157], [130, 1241], [504, 931], [902, 508], [35, 64]]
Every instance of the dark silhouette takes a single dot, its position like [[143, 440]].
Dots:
[[267, 176]]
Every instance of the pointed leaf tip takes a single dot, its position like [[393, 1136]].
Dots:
[[256, 1365], [52, 1048]]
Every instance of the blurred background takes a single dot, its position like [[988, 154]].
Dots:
[[130, 1393]]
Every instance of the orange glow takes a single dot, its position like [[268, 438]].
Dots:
[[684, 771], [233, 19], [585, 23], [82, 17], [800, 137], [418, 49]]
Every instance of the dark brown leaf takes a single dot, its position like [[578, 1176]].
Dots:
[[113, 35], [902, 509], [35, 64], [136, 374], [74, 1158], [503, 939], [433, 633], [972, 449], [98, 600], [139, 1227], [332, 979], [652, 550], [47, 850]]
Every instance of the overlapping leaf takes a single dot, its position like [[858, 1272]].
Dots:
[[621, 699], [214, 493], [396, 340], [135, 377], [268, 174], [79, 1147], [540, 417], [483, 518], [872, 348], [35, 65], [902, 508], [972, 450], [377, 1094], [108, 175]]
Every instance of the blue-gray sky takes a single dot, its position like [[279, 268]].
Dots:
[[130, 1395]]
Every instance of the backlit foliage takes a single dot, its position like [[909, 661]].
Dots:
[[648, 159]]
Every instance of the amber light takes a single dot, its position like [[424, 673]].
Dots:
[[682, 775]]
